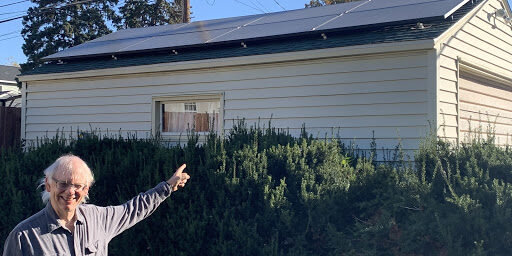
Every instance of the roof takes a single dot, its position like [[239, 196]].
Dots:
[[129, 47], [8, 73], [8, 96]]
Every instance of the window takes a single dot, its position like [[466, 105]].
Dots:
[[176, 115], [190, 107]]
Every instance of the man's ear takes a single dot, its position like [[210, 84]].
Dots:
[[47, 185]]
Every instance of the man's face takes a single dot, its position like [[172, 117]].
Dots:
[[67, 190]]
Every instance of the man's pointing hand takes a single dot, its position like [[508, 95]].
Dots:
[[179, 178]]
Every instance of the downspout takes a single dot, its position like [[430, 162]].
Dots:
[[457, 83], [23, 133]]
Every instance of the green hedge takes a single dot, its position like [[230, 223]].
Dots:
[[263, 192]]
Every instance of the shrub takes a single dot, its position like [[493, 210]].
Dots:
[[263, 192]]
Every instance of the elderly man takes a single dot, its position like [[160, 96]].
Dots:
[[68, 227]]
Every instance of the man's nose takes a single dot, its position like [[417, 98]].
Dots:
[[71, 189]]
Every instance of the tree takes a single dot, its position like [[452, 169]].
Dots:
[[316, 3], [54, 25], [137, 13]]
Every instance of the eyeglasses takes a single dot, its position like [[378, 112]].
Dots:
[[63, 185]]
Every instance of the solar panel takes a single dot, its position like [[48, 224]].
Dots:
[[306, 13], [138, 32], [97, 48], [391, 11], [332, 17], [173, 40], [422, 7], [190, 34], [274, 29]]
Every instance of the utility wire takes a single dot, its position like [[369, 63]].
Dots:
[[10, 33], [7, 13], [259, 10], [11, 19], [210, 4], [257, 1], [284, 9], [51, 8], [9, 38], [19, 2]]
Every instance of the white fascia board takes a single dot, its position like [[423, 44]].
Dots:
[[458, 25], [243, 60], [8, 82]]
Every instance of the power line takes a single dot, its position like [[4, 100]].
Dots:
[[284, 9], [7, 13], [257, 9], [11, 19], [19, 2], [210, 4], [257, 1], [10, 33], [49, 8], [66, 5], [9, 38]]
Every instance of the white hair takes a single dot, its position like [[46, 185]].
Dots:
[[64, 164]]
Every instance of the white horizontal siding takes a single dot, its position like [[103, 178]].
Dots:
[[303, 72], [483, 40], [479, 109], [353, 121], [88, 126], [68, 133], [376, 95], [353, 110], [485, 107], [92, 118], [448, 86], [325, 100], [485, 99], [88, 110]]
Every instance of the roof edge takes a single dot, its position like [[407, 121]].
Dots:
[[310, 33], [402, 46], [458, 25], [454, 9], [8, 82]]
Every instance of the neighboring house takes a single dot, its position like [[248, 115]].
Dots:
[[9, 92], [388, 69]]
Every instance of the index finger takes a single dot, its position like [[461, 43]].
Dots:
[[180, 170]]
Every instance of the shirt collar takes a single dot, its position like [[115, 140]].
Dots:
[[52, 218]]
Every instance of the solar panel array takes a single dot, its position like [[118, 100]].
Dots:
[[325, 18]]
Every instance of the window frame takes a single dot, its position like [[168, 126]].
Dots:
[[156, 113]]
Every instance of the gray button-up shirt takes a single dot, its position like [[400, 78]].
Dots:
[[95, 226]]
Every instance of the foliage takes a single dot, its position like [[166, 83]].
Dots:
[[263, 192], [136, 13], [54, 25]]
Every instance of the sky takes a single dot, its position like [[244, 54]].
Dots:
[[11, 40]]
